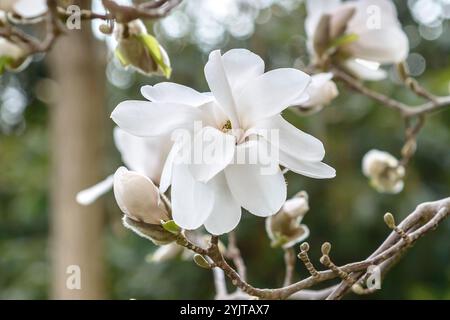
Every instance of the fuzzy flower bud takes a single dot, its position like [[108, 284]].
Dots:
[[284, 228], [320, 92], [139, 200], [384, 171], [12, 56], [138, 49]]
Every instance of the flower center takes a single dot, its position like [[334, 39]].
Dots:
[[226, 127]]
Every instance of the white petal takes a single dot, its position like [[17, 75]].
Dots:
[[241, 66], [213, 151], [175, 93], [317, 170], [192, 201], [143, 155], [30, 8], [291, 140], [388, 45], [219, 84], [166, 175], [148, 119], [315, 9], [88, 196], [226, 213], [270, 93], [365, 71], [254, 188]]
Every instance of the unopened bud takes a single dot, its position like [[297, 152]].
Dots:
[[326, 248], [201, 261], [389, 220], [138, 49]]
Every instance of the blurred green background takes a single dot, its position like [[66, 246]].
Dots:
[[345, 211]]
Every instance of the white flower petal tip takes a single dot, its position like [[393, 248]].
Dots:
[[175, 93], [138, 197], [88, 196]]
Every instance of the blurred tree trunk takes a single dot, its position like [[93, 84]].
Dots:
[[77, 124]]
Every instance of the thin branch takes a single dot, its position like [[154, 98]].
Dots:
[[234, 253], [422, 220], [438, 103], [289, 261]]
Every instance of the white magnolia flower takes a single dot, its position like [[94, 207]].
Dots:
[[379, 38], [285, 228], [320, 92], [384, 171], [24, 8], [245, 103], [143, 155]]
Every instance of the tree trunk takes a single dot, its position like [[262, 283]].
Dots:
[[78, 119]]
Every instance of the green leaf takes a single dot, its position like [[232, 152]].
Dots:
[[171, 226], [201, 261]]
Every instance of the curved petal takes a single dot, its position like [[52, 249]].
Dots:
[[192, 201], [175, 93], [270, 93], [226, 213], [88, 196], [317, 170], [388, 45], [219, 84], [30, 8], [364, 70], [290, 139], [241, 66], [143, 155], [166, 175], [255, 188], [213, 151], [147, 119]]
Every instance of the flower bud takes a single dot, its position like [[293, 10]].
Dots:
[[138, 197], [384, 171], [140, 50], [284, 228], [12, 56], [321, 91]]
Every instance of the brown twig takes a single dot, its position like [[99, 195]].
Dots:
[[422, 220]]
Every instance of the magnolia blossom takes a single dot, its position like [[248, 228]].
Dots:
[[24, 8], [367, 33], [285, 228], [384, 171], [320, 92], [143, 155], [238, 117]]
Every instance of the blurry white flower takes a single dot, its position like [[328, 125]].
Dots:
[[244, 106], [320, 92], [285, 228], [384, 171], [24, 8], [140, 50], [143, 155], [365, 33]]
